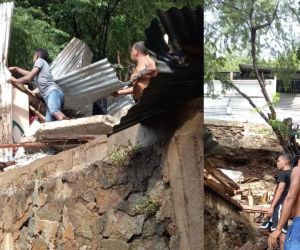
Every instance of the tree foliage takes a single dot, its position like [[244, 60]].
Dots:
[[109, 27], [257, 29], [30, 32]]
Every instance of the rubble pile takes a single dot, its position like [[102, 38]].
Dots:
[[250, 196]]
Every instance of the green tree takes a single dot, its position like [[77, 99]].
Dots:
[[255, 26], [29, 32], [109, 27]]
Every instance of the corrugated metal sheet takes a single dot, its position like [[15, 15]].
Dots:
[[87, 85], [180, 64], [118, 106], [74, 56], [6, 10]]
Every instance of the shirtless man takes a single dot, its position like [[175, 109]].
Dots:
[[290, 209], [145, 69]]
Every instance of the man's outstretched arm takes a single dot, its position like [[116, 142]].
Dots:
[[287, 207], [27, 78], [21, 71], [126, 91]]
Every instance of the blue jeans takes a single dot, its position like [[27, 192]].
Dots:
[[292, 240], [55, 103]]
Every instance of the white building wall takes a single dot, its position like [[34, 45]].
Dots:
[[233, 107]]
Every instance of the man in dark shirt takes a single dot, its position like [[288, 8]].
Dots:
[[282, 188]]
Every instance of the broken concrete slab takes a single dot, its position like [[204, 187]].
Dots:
[[95, 125], [236, 176]]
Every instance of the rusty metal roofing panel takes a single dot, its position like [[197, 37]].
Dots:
[[87, 85], [74, 56], [180, 64], [6, 10]]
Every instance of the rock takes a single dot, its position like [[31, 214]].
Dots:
[[22, 240], [152, 227], [39, 244], [50, 212], [165, 212], [156, 186], [268, 177], [113, 245], [64, 190], [156, 243], [68, 232], [89, 196], [131, 204], [83, 220], [120, 224], [138, 203], [48, 229], [84, 248], [8, 215], [107, 199], [92, 206], [8, 242]]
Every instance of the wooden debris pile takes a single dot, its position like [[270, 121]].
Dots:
[[217, 181], [251, 195], [248, 195], [260, 245]]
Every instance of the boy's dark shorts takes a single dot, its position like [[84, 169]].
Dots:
[[272, 223]]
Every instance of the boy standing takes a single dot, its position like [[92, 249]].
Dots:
[[282, 188]]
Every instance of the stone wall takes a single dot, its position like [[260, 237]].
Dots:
[[117, 193], [110, 204], [243, 135]]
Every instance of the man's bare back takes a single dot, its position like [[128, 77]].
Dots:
[[296, 209], [291, 208], [139, 86], [144, 71]]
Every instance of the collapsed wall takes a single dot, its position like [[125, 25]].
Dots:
[[119, 192], [247, 147], [248, 153], [225, 226]]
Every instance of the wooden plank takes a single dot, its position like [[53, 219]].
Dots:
[[211, 168], [247, 246], [37, 113], [216, 188], [221, 186], [85, 138], [255, 209], [34, 100], [262, 245]]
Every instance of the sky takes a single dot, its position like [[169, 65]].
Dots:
[[289, 24]]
